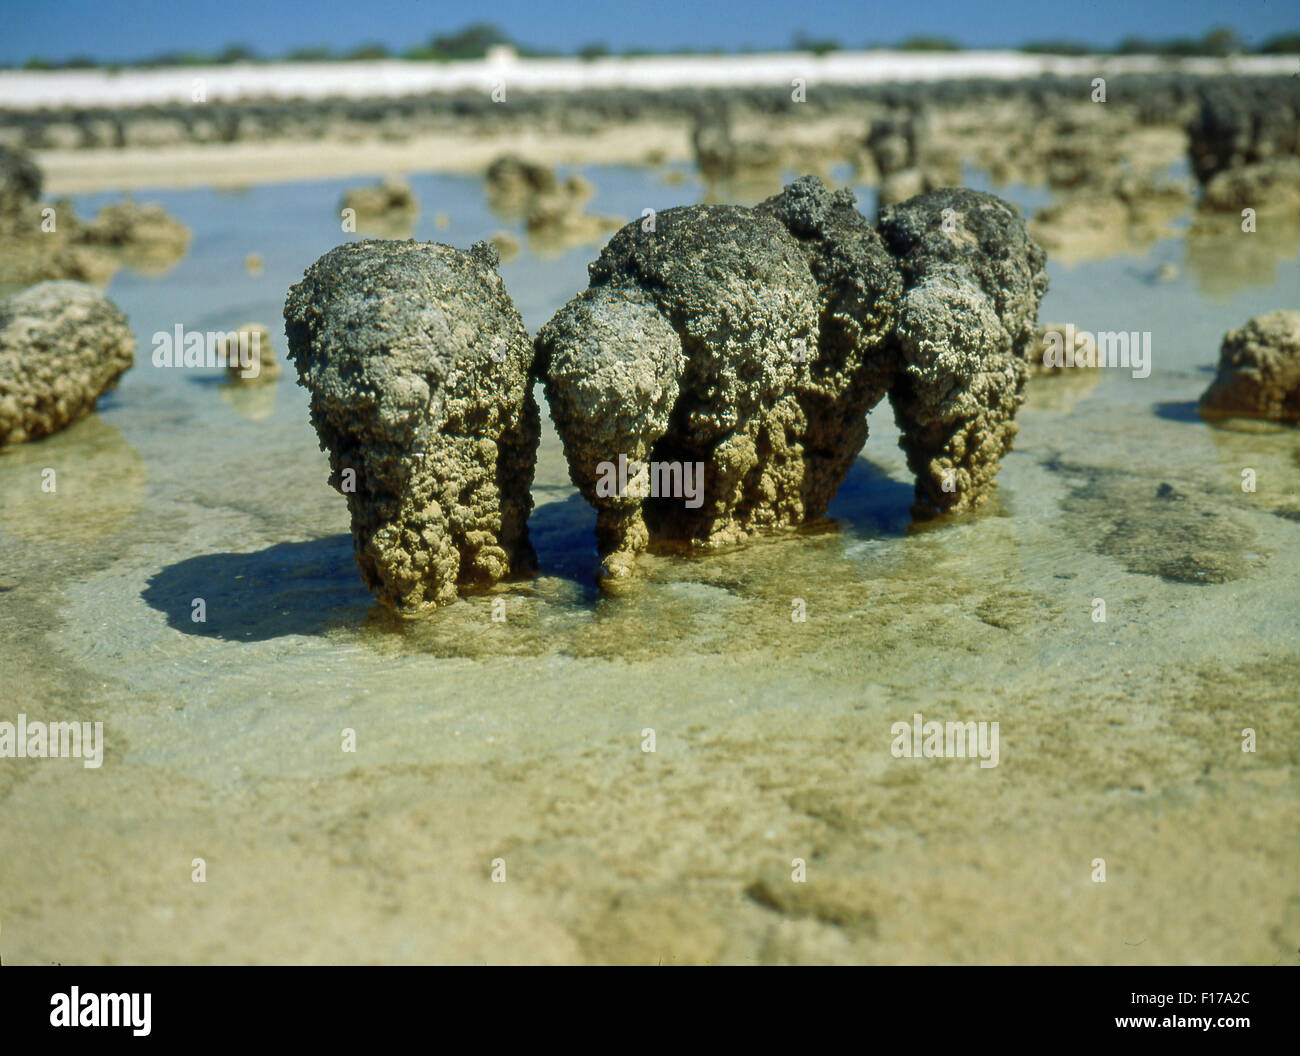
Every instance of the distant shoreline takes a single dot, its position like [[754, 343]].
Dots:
[[238, 165], [648, 118], [98, 89]]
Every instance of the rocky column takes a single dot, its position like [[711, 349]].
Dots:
[[973, 279], [419, 369]]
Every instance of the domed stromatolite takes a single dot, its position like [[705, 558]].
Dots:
[[1259, 371], [62, 345], [418, 365], [974, 279]]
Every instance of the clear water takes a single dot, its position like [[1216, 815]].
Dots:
[[479, 740]]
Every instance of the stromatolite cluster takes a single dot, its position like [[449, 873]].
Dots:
[[418, 365], [1244, 145], [1242, 121], [46, 241], [712, 382], [753, 342], [742, 341], [62, 345]]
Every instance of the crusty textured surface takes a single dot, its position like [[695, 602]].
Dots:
[[612, 365], [1259, 371], [418, 365], [974, 279], [853, 365], [733, 337], [62, 345]]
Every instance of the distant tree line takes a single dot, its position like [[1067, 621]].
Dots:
[[474, 41]]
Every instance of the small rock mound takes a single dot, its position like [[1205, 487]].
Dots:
[[62, 345], [20, 184], [249, 354], [1271, 188], [513, 178], [44, 242], [553, 210], [388, 207], [1259, 371]]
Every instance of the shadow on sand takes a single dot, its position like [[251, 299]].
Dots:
[[313, 586], [290, 588]]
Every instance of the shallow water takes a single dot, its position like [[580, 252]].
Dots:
[[522, 740]]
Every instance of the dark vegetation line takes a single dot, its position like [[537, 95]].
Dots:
[[473, 42]]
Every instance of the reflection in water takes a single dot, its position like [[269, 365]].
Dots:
[[254, 402], [1225, 259], [98, 482], [1126, 219], [1059, 392]]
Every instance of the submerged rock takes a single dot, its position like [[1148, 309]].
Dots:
[[966, 329], [388, 207], [1271, 188], [1259, 371], [720, 366], [553, 210], [418, 365], [62, 345], [44, 242], [1181, 533]]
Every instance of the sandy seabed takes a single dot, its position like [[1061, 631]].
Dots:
[[521, 743]]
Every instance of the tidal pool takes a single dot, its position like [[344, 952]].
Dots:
[[517, 746]]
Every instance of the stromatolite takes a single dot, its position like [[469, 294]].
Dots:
[[418, 366], [62, 345]]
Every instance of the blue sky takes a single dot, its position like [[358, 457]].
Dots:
[[111, 30]]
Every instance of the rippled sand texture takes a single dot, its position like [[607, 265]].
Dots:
[[522, 740]]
